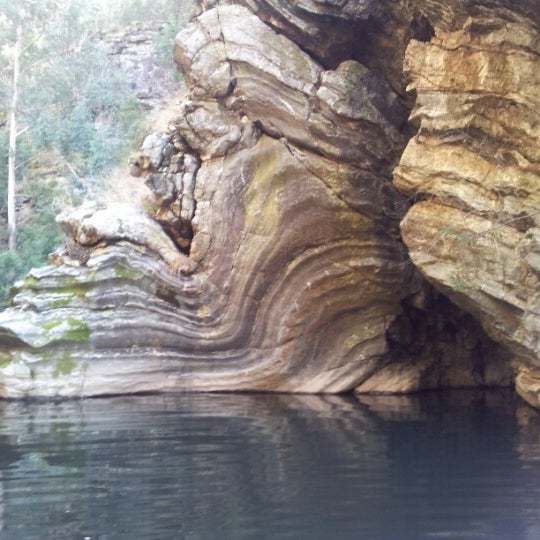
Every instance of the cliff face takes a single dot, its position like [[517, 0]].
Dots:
[[266, 253], [473, 169], [133, 50]]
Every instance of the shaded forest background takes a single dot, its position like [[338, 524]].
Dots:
[[78, 114]]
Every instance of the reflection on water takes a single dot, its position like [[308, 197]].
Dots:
[[463, 464]]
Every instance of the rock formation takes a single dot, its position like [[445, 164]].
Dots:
[[133, 50], [473, 169], [266, 252]]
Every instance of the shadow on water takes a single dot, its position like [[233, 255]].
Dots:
[[461, 464]]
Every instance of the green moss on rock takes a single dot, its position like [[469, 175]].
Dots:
[[51, 325], [5, 360], [74, 289], [78, 331], [64, 366], [62, 302], [31, 283], [122, 272]]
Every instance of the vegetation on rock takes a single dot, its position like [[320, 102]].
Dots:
[[77, 115]]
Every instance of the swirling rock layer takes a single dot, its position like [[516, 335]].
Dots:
[[299, 272], [278, 304]]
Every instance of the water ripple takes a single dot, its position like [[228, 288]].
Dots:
[[436, 466]]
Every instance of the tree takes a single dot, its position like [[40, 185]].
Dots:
[[12, 157], [25, 14], [67, 113]]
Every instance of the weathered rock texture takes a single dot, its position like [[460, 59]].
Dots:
[[133, 50], [266, 251], [473, 170], [282, 171]]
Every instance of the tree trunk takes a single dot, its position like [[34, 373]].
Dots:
[[12, 220]]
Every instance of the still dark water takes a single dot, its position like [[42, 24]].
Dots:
[[436, 466]]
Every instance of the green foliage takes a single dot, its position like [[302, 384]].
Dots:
[[164, 44], [12, 266], [37, 238], [83, 108], [77, 109], [173, 15], [127, 12]]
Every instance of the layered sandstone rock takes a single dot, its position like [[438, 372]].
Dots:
[[528, 384], [473, 171]]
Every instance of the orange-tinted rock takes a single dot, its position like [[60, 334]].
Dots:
[[473, 170]]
